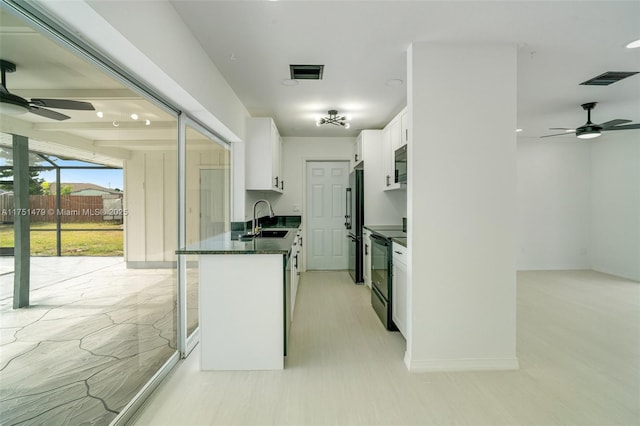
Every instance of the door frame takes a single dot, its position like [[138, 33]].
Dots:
[[305, 161]]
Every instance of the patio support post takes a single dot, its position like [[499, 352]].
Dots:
[[21, 221]]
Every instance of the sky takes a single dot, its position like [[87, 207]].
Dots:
[[108, 178]]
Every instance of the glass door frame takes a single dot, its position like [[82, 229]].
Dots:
[[43, 22]]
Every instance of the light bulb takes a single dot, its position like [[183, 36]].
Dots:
[[589, 135], [134, 116], [147, 122], [634, 44]]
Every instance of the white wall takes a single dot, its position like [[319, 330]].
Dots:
[[579, 204], [462, 200], [554, 203], [615, 202], [150, 198]]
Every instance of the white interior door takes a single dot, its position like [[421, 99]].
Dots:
[[212, 205], [326, 191]]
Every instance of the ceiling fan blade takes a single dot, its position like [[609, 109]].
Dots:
[[63, 104], [563, 128], [559, 134], [626, 127], [612, 123], [47, 113]]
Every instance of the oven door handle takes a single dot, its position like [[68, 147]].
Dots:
[[379, 240]]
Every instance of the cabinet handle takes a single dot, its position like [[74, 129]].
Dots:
[[366, 249], [406, 135], [296, 261], [388, 177], [356, 158], [396, 251], [282, 185], [277, 181]]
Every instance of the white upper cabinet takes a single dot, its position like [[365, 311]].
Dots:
[[358, 152], [395, 135], [404, 127], [263, 156], [395, 132]]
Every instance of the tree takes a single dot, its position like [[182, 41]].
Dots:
[[65, 190], [35, 182], [46, 188]]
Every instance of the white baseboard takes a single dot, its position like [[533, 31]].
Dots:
[[464, 364]]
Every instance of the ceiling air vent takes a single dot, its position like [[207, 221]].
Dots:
[[306, 72], [608, 78]]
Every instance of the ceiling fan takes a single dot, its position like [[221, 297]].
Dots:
[[590, 130], [13, 104]]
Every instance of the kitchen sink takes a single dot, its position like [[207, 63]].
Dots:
[[274, 233], [265, 233]]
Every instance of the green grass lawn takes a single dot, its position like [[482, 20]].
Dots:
[[105, 239]]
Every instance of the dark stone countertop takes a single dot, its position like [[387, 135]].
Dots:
[[391, 232], [400, 240], [228, 243]]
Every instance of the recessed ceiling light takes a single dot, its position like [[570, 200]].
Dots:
[[134, 116], [394, 82], [100, 114], [147, 122], [634, 44], [290, 82], [518, 130]]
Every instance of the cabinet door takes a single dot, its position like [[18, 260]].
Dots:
[[404, 127], [391, 135], [357, 154], [367, 257], [262, 145], [399, 302], [388, 164], [275, 156], [396, 134]]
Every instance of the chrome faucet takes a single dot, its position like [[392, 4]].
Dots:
[[254, 229]]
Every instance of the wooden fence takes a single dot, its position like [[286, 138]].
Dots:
[[72, 209]]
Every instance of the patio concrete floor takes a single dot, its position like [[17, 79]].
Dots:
[[95, 332]]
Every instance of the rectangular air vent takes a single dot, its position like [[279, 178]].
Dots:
[[306, 72], [608, 78]]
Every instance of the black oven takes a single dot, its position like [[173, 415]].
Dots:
[[401, 165], [381, 280]]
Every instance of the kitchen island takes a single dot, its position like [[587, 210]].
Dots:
[[245, 298]]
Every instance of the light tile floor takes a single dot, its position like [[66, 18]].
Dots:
[[578, 344], [94, 333]]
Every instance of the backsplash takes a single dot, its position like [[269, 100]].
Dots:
[[269, 222]]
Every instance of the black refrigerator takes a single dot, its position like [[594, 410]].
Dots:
[[354, 221]]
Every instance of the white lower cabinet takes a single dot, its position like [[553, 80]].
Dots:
[[399, 302], [366, 268]]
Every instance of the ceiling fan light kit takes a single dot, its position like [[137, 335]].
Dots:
[[334, 119], [591, 130], [14, 105]]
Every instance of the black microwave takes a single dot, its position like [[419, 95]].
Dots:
[[401, 165]]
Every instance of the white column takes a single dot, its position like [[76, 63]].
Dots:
[[462, 207]]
